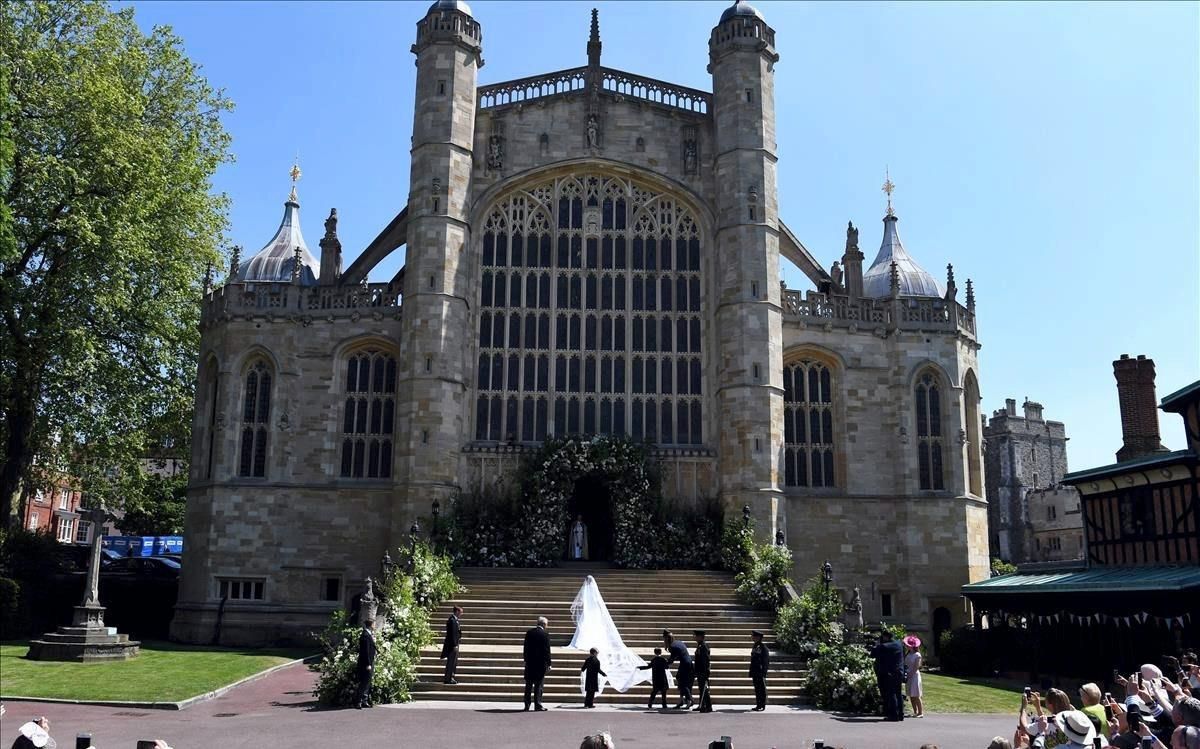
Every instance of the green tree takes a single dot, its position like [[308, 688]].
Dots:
[[153, 504], [109, 138]]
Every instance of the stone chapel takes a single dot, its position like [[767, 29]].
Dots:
[[588, 252]]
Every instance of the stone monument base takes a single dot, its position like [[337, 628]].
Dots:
[[87, 640]]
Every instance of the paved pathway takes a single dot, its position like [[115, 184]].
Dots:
[[278, 711]]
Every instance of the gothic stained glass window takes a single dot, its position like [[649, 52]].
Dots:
[[808, 438], [369, 415], [607, 247], [256, 421], [930, 443]]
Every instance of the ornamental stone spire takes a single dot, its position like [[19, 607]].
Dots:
[[593, 45]]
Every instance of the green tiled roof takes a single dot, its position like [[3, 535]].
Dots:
[[1094, 580], [1180, 394], [1146, 461]]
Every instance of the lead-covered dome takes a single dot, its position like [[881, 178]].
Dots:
[[443, 5], [740, 8], [914, 280], [274, 262]]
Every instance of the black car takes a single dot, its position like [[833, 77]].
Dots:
[[75, 557], [145, 567]]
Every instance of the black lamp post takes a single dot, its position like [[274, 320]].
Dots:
[[746, 515], [827, 574], [386, 565], [779, 537]]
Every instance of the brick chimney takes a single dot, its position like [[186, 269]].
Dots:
[[1139, 407]]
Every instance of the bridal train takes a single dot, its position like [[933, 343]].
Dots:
[[594, 628]]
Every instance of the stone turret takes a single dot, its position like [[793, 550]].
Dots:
[[331, 251], [437, 279], [852, 263], [742, 59]]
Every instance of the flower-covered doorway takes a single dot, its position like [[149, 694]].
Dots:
[[591, 503]]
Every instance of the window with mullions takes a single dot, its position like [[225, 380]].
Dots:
[[930, 443], [808, 424], [604, 334], [256, 421], [369, 415]]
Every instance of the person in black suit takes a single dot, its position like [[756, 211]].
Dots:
[[364, 669], [537, 662], [677, 651], [592, 682], [760, 661], [889, 662], [450, 645], [658, 678], [702, 661]]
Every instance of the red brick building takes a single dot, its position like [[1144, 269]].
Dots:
[[54, 508]]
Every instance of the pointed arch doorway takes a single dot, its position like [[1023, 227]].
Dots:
[[591, 501]]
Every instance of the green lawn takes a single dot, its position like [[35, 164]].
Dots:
[[953, 694], [163, 672]]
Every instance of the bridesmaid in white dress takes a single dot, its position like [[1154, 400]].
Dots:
[[912, 665]]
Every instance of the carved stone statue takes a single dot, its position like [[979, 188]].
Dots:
[[495, 153], [331, 224], [836, 274], [369, 604], [689, 156], [851, 236], [855, 611], [593, 131]]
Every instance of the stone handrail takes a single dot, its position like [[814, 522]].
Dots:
[[283, 299], [905, 313], [611, 81]]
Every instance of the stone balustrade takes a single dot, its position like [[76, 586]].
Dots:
[[905, 313], [285, 300], [612, 82]]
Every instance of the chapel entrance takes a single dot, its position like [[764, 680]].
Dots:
[[592, 501]]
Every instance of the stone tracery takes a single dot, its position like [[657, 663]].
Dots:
[[590, 330]]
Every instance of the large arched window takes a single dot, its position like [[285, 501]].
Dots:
[[211, 384], [369, 415], [808, 424], [930, 442], [256, 420], [974, 435], [590, 315]]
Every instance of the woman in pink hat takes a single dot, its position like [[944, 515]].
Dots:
[[912, 666]]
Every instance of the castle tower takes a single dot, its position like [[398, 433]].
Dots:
[[748, 336], [435, 325]]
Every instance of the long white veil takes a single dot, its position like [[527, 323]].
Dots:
[[594, 628]]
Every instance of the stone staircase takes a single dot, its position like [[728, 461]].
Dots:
[[502, 603]]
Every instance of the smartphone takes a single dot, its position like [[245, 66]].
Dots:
[[1139, 675], [1147, 742], [1116, 676], [1098, 742], [1028, 691], [1108, 696], [1108, 713], [1134, 719]]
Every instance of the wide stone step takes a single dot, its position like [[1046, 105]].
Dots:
[[574, 659], [608, 697], [731, 679]]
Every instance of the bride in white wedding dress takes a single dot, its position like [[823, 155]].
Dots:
[[594, 628]]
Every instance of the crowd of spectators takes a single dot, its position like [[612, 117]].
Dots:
[[1153, 708]]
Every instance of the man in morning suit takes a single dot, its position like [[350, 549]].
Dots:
[[450, 645], [760, 661], [537, 662], [364, 669], [889, 661], [702, 661], [677, 651]]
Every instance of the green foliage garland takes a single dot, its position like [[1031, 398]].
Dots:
[[842, 677], [405, 601], [813, 620]]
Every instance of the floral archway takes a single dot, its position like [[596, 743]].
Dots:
[[627, 471]]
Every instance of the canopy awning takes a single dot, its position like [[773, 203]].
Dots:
[[1093, 580]]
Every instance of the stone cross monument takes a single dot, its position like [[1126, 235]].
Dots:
[[87, 639]]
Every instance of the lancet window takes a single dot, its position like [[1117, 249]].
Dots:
[[256, 421], [930, 444], [808, 422], [590, 315], [369, 415]]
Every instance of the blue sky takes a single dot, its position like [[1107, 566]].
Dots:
[[1050, 151]]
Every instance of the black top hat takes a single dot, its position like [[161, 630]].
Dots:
[[756, 633], [699, 632]]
